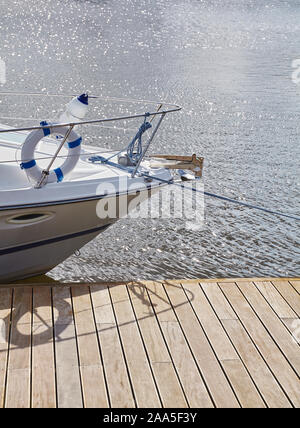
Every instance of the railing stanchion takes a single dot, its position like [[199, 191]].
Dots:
[[46, 171]]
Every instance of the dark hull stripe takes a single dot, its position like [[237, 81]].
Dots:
[[51, 241], [53, 203]]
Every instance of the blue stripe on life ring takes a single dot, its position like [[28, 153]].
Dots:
[[46, 131], [75, 143], [59, 174], [28, 165]]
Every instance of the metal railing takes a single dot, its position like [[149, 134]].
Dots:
[[70, 126], [95, 121]]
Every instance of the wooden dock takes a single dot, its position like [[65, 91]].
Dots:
[[172, 344]]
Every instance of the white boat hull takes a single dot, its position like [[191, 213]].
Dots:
[[41, 226], [39, 260], [45, 243]]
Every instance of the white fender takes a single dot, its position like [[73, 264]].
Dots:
[[33, 171]]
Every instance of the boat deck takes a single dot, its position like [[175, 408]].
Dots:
[[172, 344]]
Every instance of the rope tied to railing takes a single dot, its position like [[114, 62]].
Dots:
[[134, 151]]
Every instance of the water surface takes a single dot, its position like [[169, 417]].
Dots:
[[228, 63]]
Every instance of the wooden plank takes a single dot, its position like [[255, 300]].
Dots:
[[190, 377], [169, 388], [19, 363], [293, 325], [209, 365], [166, 378], [118, 382], [275, 299], [5, 312], [160, 302], [273, 324], [236, 373], [138, 365], [67, 370], [92, 375], [279, 366], [43, 366], [209, 321], [242, 384], [296, 285], [290, 295], [156, 348], [258, 369], [62, 306], [218, 301], [93, 387], [18, 390], [20, 349], [193, 385]]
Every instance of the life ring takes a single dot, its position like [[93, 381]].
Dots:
[[33, 171]]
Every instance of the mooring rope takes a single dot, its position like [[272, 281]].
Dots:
[[233, 201], [255, 207], [212, 195]]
